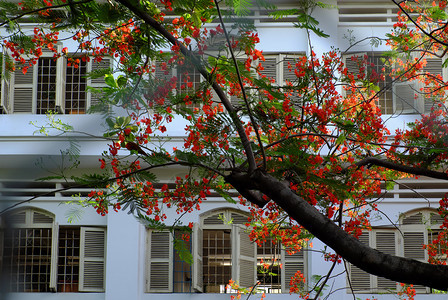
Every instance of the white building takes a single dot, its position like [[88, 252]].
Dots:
[[115, 257]]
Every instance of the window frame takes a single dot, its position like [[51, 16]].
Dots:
[[30, 223], [28, 86]]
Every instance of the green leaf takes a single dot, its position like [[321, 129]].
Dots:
[[121, 81], [49, 178], [183, 251], [110, 122], [341, 139], [390, 185], [306, 21], [242, 7], [92, 180], [110, 80], [225, 195]]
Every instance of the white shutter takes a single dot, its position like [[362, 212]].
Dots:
[[159, 262], [61, 70], [24, 90], [2, 245], [353, 62], [5, 85], [289, 74], [433, 67], [198, 284], [386, 243], [359, 279], [413, 245], [271, 68], [54, 256], [413, 249], [98, 83], [244, 258], [406, 97], [238, 100], [92, 259], [291, 264]]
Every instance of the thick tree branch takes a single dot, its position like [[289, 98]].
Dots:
[[370, 260], [402, 168], [148, 19]]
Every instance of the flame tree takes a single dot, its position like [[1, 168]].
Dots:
[[304, 158]]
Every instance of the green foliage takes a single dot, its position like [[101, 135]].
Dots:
[[183, 251], [242, 7], [93, 180]]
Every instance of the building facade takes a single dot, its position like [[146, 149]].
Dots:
[[53, 249]]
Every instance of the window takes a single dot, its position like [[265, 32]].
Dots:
[[362, 282], [40, 256], [416, 229], [221, 250], [51, 85], [395, 97]]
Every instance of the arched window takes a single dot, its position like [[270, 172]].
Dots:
[[40, 256], [221, 250], [415, 229]]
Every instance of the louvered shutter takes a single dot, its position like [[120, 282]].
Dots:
[[97, 83], [433, 67], [2, 245], [386, 243], [413, 248], [271, 68], [92, 259], [244, 258], [160, 262], [405, 97], [291, 264], [61, 72], [198, 284], [54, 256], [24, 90], [238, 100], [287, 73], [5, 85], [353, 62], [359, 279]]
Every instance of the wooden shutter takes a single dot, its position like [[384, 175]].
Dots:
[[160, 262], [413, 248], [98, 83], [54, 256], [359, 279], [433, 67], [244, 257], [386, 243], [291, 264], [198, 284], [405, 97], [61, 72], [2, 245], [24, 90], [353, 62], [238, 100], [287, 74], [413, 245], [5, 85], [92, 259], [271, 66]]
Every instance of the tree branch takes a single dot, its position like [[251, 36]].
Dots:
[[402, 168], [395, 268]]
